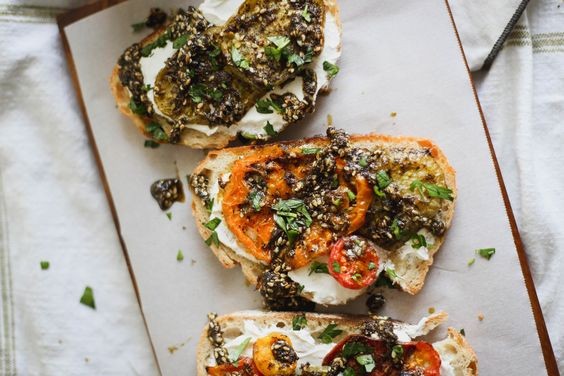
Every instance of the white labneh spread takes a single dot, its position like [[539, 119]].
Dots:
[[322, 288], [253, 122], [305, 346]]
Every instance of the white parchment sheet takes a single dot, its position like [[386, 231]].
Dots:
[[398, 56]]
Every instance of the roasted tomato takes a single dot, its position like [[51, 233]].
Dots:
[[242, 367], [417, 358], [353, 262], [421, 356], [274, 355]]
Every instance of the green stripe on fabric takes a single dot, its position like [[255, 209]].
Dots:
[[540, 43], [7, 344]]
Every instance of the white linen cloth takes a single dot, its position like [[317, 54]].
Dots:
[[53, 207]]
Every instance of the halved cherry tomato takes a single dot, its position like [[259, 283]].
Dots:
[[244, 367], [265, 360], [353, 262], [418, 357], [422, 356]]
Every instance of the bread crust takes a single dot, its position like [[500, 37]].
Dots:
[[191, 137], [220, 161], [460, 353]]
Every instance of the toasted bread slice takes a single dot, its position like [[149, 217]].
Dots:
[[410, 269], [215, 101], [454, 350]]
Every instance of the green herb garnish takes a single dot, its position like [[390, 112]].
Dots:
[[351, 195], [306, 15], [299, 322], [349, 372], [362, 162], [318, 267], [180, 41], [209, 205], [308, 151], [418, 241], [44, 265], [156, 131], [292, 217], [269, 129], [329, 333], [367, 361], [239, 350], [137, 108], [486, 253], [391, 273], [238, 59], [169, 216], [151, 144], [87, 297], [296, 59], [213, 239], [396, 230], [159, 43], [432, 190], [336, 267], [213, 223], [266, 106], [371, 265], [471, 261], [197, 92], [383, 179], [331, 69], [256, 198], [248, 135], [179, 256], [463, 332], [277, 52], [138, 26], [397, 352], [355, 348]]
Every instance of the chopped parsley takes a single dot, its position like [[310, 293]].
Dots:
[[238, 59], [308, 151], [397, 352], [463, 332], [44, 265], [269, 129], [138, 26], [180, 41], [179, 256], [396, 230], [156, 131], [151, 144], [256, 198], [486, 253], [351, 195], [418, 241], [349, 372], [197, 92], [329, 333], [213, 223], [216, 95], [137, 108], [336, 267], [371, 265], [433, 190], [213, 239], [367, 361], [318, 267], [355, 348], [391, 273], [356, 277], [331, 69], [248, 135], [362, 162], [471, 261], [277, 52], [209, 205], [87, 297], [169, 216], [239, 350], [383, 179], [296, 59], [160, 42], [266, 106], [292, 217], [306, 15], [299, 322]]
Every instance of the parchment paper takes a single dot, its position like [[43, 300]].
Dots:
[[398, 56]]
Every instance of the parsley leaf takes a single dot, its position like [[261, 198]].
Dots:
[[351, 195], [269, 129], [331, 69], [418, 241], [432, 190], [296, 59], [256, 198], [362, 162], [356, 348], [156, 131], [306, 15], [367, 361], [265, 106], [486, 253], [308, 151], [349, 372], [318, 267], [238, 59], [138, 26], [213, 223], [371, 265], [179, 256], [471, 261], [180, 41], [299, 322], [87, 297], [277, 52], [197, 92], [336, 267], [397, 352], [396, 230], [169, 216], [279, 41], [463, 332], [391, 273], [213, 239], [44, 265], [239, 350], [137, 108], [329, 333], [151, 144], [383, 179], [209, 205]]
